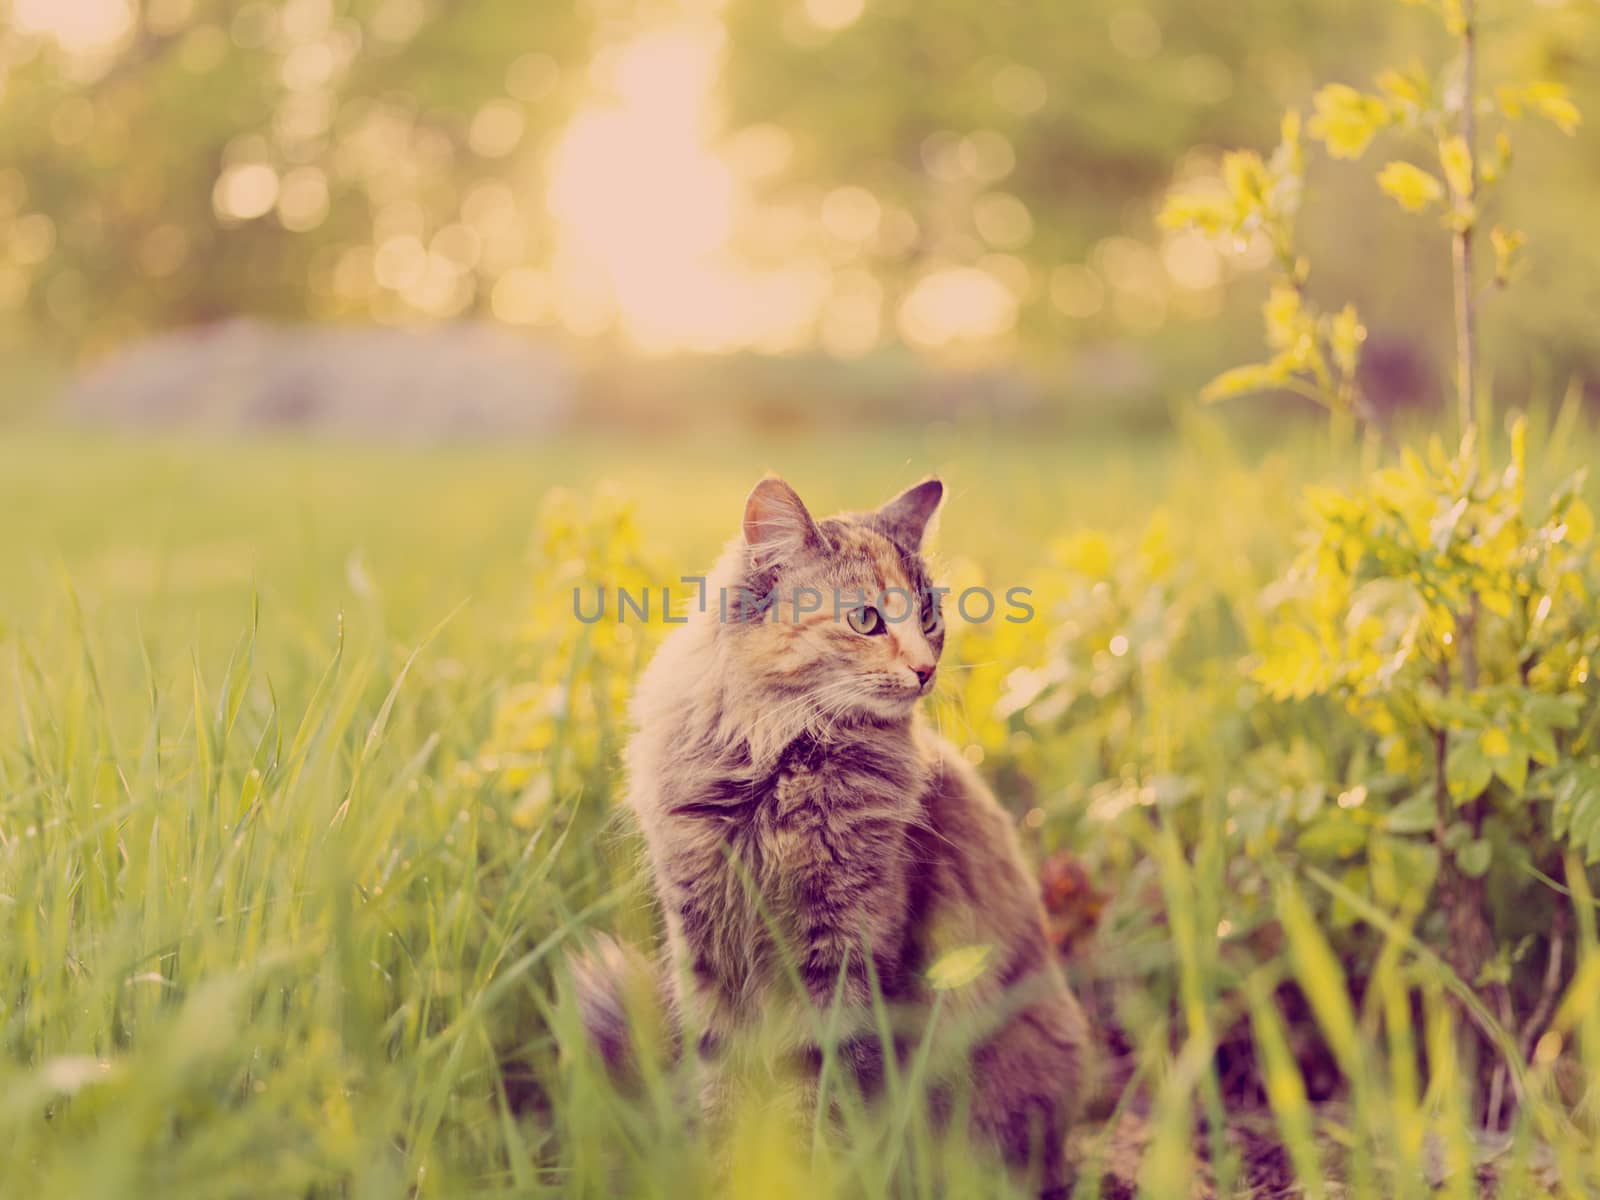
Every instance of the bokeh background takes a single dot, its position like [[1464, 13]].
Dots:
[[813, 213]]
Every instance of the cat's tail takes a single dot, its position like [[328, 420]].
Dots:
[[624, 1006]]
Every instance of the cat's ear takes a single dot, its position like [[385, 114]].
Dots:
[[906, 517], [776, 523]]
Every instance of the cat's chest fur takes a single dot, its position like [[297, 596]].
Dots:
[[829, 807], [797, 868], [829, 845]]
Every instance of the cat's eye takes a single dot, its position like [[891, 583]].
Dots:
[[932, 620], [866, 620]]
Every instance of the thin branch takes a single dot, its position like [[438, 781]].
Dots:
[[1467, 216], [1497, 1093], [1502, 1071], [1551, 987]]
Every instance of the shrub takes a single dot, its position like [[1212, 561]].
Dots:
[[1452, 619]]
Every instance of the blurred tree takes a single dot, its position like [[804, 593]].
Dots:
[[1027, 143], [1023, 139], [956, 175], [188, 159]]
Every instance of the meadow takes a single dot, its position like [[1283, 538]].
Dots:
[[308, 780], [273, 926]]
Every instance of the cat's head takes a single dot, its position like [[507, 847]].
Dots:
[[839, 615]]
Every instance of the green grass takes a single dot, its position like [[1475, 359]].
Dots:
[[274, 926], [268, 931]]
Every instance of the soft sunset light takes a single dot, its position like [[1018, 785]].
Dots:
[[78, 26], [646, 208]]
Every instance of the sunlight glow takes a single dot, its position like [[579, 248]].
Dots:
[[78, 26], [834, 15], [245, 191], [646, 211], [661, 235], [956, 304]]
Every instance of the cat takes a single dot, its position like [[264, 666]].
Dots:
[[812, 843]]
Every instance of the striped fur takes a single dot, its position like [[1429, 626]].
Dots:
[[810, 840]]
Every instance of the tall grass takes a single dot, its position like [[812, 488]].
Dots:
[[275, 925], [258, 940]]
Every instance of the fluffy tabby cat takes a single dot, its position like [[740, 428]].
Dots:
[[812, 841]]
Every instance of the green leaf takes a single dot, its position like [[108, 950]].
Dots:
[[1335, 836], [1403, 871], [1257, 377], [1247, 180], [1408, 92], [1507, 756], [1558, 712], [1551, 101], [1467, 770], [1541, 744], [1512, 770], [1412, 187], [1292, 664], [1563, 784], [1575, 808], [1346, 120], [959, 967], [1211, 214], [1496, 970], [1474, 857], [1415, 815]]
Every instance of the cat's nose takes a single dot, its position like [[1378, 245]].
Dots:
[[924, 674]]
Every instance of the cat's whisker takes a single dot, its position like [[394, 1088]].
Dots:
[[799, 702], [838, 705], [835, 690], [843, 702], [812, 701], [772, 716]]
